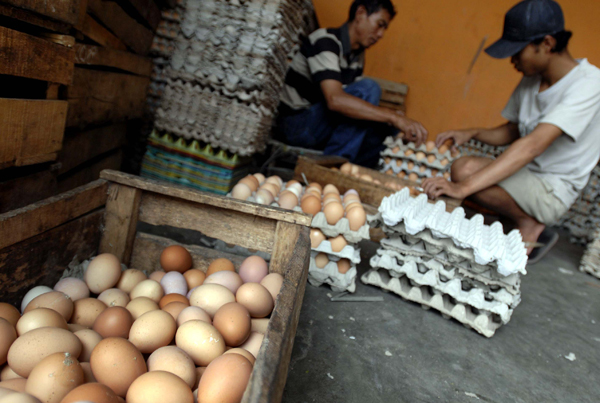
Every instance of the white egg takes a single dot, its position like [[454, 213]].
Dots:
[[34, 292], [174, 283]]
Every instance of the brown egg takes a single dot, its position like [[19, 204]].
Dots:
[[353, 206], [149, 289], [152, 330], [260, 325], [241, 191], [407, 153], [93, 392], [159, 387], [194, 278], [256, 298], [287, 200], [89, 339], [321, 260], [263, 196], [116, 363], [7, 373], [201, 341], [343, 265], [430, 145], [431, 159], [338, 243], [210, 297], [350, 203], [113, 322], [219, 264], [41, 317], [332, 196], [253, 343], [330, 189], [156, 276], [356, 218], [167, 299], [242, 352], [311, 205], [10, 313], [8, 335], [367, 178], [31, 348], [413, 177], [232, 320], [333, 213], [259, 177], [273, 282], [55, 300], [420, 155], [193, 313], [399, 163], [225, 379], [88, 375], [251, 182], [422, 168], [114, 297], [129, 279], [174, 360], [139, 306], [103, 273], [329, 201], [389, 171], [454, 153], [54, 377], [444, 162], [346, 168], [75, 328], [434, 172], [443, 149], [17, 384], [174, 308], [85, 311], [447, 175], [271, 188], [410, 165], [316, 237], [314, 192], [199, 373], [175, 258], [73, 287], [401, 175], [316, 186]]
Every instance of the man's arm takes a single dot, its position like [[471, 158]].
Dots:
[[498, 136], [341, 102], [519, 154]]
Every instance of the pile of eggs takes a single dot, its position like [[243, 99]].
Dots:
[[354, 170], [337, 244], [180, 335]]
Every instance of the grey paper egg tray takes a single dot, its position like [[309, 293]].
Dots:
[[420, 220], [342, 227], [330, 275], [349, 252], [391, 143], [486, 323], [501, 302], [404, 167], [590, 263], [437, 164]]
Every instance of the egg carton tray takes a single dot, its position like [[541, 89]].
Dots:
[[416, 169], [349, 252], [342, 227], [420, 220], [391, 143], [500, 302], [437, 164], [479, 149], [329, 274], [590, 262], [484, 274], [484, 322]]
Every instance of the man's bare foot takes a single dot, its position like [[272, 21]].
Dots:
[[530, 230]]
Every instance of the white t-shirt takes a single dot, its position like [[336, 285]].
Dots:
[[573, 105]]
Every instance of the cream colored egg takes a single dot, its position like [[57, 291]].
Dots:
[[152, 330], [174, 360], [273, 282], [316, 237], [31, 294], [8, 335], [333, 213], [89, 340], [210, 297], [253, 343], [20, 398], [159, 387], [129, 279], [256, 299], [102, 273], [201, 341], [85, 311], [321, 260], [55, 300], [41, 317], [54, 377], [7, 373], [139, 306], [73, 287], [241, 191], [149, 289], [114, 297], [193, 313], [338, 243], [259, 325]]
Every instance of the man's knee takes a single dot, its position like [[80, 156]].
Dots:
[[464, 167], [366, 89]]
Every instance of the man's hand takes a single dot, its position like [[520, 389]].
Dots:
[[413, 130], [436, 187], [458, 137]]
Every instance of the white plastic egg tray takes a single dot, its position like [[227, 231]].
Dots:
[[499, 302], [482, 321], [329, 274], [342, 227], [471, 238], [350, 252]]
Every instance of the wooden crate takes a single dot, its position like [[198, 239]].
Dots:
[[102, 216], [393, 95]]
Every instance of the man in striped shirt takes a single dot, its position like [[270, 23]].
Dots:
[[326, 104]]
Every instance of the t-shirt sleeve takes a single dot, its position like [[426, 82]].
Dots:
[[324, 61], [511, 110], [579, 105]]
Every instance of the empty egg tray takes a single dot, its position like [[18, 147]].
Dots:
[[329, 274]]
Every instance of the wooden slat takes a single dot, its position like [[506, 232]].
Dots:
[[18, 225], [41, 259], [31, 130], [66, 11], [128, 30], [31, 57], [83, 146], [96, 32], [393, 106], [184, 193], [90, 171], [291, 259], [246, 230], [102, 97], [148, 10], [91, 55], [33, 19], [120, 221], [26, 188], [391, 86], [147, 249]]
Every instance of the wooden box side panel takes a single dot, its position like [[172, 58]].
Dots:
[[91, 55], [61, 10]]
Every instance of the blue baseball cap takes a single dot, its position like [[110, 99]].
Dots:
[[524, 23]]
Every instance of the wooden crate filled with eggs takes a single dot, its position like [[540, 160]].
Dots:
[[95, 309], [339, 223], [406, 161]]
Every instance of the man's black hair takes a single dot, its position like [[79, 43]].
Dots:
[[372, 6], [562, 40]]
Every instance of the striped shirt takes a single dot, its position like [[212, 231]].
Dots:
[[325, 55]]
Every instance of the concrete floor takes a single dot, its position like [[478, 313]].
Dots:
[[340, 348]]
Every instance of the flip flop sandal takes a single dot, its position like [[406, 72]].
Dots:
[[545, 242]]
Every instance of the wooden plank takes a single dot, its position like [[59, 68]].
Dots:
[[391, 86], [66, 11], [148, 10], [393, 97], [33, 19], [25, 188], [128, 30], [184, 193], [147, 249], [64, 40], [18, 225], [41, 260], [96, 32], [246, 230], [27, 56], [120, 221], [83, 146], [393, 106], [81, 15], [91, 55], [31, 130], [90, 171], [101, 97], [291, 258]]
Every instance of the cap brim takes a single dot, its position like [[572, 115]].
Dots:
[[502, 48]]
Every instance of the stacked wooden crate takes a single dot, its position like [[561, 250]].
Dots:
[[73, 84]]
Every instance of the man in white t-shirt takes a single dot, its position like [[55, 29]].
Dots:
[[553, 130]]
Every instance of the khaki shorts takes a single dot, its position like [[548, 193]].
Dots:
[[534, 196]]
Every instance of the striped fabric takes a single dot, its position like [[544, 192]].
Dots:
[[325, 55]]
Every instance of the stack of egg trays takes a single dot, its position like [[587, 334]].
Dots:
[[478, 149], [590, 263], [230, 55], [392, 165], [466, 270]]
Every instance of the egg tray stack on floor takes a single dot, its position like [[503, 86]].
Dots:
[[416, 163], [464, 269], [227, 69], [590, 262]]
